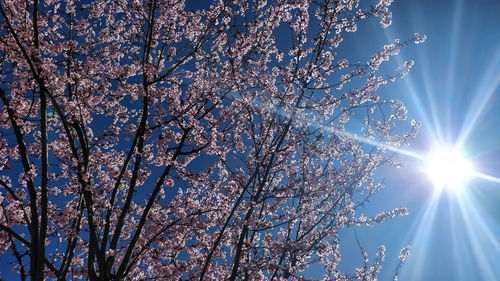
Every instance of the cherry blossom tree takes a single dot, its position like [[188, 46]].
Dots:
[[159, 140]]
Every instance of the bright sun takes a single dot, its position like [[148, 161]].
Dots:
[[447, 168]]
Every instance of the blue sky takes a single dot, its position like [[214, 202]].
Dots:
[[453, 89]]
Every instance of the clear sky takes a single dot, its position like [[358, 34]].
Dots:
[[453, 89]]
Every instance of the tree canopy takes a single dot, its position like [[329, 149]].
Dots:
[[161, 140]]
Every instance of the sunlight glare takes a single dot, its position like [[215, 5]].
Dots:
[[446, 167]]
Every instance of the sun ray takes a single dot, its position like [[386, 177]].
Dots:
[[454, 43], [419, 235], [345, 133], [487, 177], [477, 230], [436, 128], [488, 86], [450, 74], [459, 251]]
